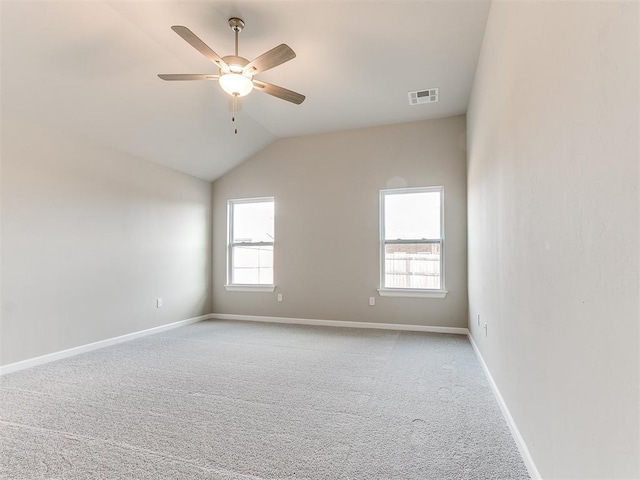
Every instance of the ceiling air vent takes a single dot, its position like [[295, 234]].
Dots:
[[423, 96]]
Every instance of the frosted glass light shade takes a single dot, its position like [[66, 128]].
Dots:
[[236, 84]]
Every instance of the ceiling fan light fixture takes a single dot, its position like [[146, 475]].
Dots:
[[236, 84]]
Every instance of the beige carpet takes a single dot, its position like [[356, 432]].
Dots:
[[235, 400]]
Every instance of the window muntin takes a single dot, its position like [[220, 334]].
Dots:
[[411, 227], [250, 244]]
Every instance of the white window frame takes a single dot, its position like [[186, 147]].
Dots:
[[412, 292], [237, 287]]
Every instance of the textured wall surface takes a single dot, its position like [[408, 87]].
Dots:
[[90, 239], [326, 190], [553, 229]]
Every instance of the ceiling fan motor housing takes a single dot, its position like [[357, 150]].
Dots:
[[235, 63]]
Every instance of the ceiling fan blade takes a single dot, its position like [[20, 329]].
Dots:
[[187, 76], [279, 92], [274, 57], [199, 45]]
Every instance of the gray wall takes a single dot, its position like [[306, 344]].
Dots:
[[90, 238], [553, 229], [326, 190]]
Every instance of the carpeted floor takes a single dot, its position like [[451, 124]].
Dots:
[[238, 401]]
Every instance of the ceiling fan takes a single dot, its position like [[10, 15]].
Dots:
[[236, 72]]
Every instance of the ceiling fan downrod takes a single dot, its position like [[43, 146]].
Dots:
[[236, 25]]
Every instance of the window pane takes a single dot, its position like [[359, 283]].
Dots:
[[412, 216], [252, 265], [253, 222], [412, 265]]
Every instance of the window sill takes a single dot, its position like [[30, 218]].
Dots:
[[411, 292], [249, 288]]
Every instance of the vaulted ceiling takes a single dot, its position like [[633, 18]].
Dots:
[[90, 68]]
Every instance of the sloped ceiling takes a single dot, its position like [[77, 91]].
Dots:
[[89, 67]]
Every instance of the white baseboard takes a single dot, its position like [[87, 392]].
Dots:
[[51, 357], [340, 323], [522, 446]]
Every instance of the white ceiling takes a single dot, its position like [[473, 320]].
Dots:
[[89, 67]]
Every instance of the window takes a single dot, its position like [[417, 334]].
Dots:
[[412, 242], [250, 244]]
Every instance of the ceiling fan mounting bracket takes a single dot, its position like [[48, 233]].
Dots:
[[236, 24]]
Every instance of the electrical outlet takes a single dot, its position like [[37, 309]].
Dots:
[[372, 301], [279, 297], [159, 303]]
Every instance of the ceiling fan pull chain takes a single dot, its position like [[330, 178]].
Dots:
[[233, 117]]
